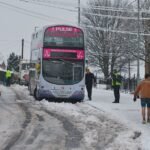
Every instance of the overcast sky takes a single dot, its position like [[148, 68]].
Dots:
[[19, 19]]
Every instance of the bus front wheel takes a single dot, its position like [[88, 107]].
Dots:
[[36, 95]]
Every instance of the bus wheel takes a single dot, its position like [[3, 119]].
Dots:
[[36, 95]]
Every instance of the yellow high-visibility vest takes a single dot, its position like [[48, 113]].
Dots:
[[8, 74], [116, 82]]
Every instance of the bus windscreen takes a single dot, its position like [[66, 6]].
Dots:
[[64, 36]]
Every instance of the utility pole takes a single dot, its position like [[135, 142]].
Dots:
[[147, 38], [35, 28], [138, 38], [129, 76], [22, 48], [78, 12]]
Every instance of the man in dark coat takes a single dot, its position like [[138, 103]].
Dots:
[[89, 81]]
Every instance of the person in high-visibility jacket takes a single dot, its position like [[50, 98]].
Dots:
[[8, 77], [116, 83]]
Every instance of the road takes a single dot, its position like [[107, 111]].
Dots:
[[26, 124]]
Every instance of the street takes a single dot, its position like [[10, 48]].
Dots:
[[32, 125]]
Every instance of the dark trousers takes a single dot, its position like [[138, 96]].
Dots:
[[89, 91], [7, 81], [117, 93]]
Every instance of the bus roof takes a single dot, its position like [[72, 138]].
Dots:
[[54, 25]]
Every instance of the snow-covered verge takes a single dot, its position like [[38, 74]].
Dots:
[[104, 128], [126, 112]]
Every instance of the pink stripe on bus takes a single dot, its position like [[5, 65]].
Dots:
[[47, 52]]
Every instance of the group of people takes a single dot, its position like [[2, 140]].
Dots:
[[90, 80], [142, 91]]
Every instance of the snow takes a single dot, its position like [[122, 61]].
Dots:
[[126, 111], [124, 118]]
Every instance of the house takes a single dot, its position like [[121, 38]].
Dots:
[[2, 65]]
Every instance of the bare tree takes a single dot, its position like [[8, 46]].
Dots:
[[107, 49]]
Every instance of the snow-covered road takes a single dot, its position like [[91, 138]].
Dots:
[[26, 124]]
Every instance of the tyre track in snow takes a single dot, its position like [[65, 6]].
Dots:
[[81, 128], [102, 142], [102, 131], [115, 125], [10, 143], [72, 135]]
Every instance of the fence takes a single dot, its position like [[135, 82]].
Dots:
[[126, 84]]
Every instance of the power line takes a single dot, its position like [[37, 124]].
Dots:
[[10, 40], [28, 14], [53, 2], [53, 6], [117, 17], [110, 9], [31, 13], [115, 9], [114, 31]]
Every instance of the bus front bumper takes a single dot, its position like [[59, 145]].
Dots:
[[77, 95]]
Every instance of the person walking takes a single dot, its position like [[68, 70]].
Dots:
[[143, 91], [116, 82], [8, 77], [89, 81]]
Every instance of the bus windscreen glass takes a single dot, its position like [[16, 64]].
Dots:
[[64, 36], [64, 72]]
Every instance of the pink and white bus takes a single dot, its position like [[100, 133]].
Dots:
[[59, 53]]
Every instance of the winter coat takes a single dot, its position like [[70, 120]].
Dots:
[[143, 89], [89, 79]]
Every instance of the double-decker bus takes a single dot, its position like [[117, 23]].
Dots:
[[59, 56]]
